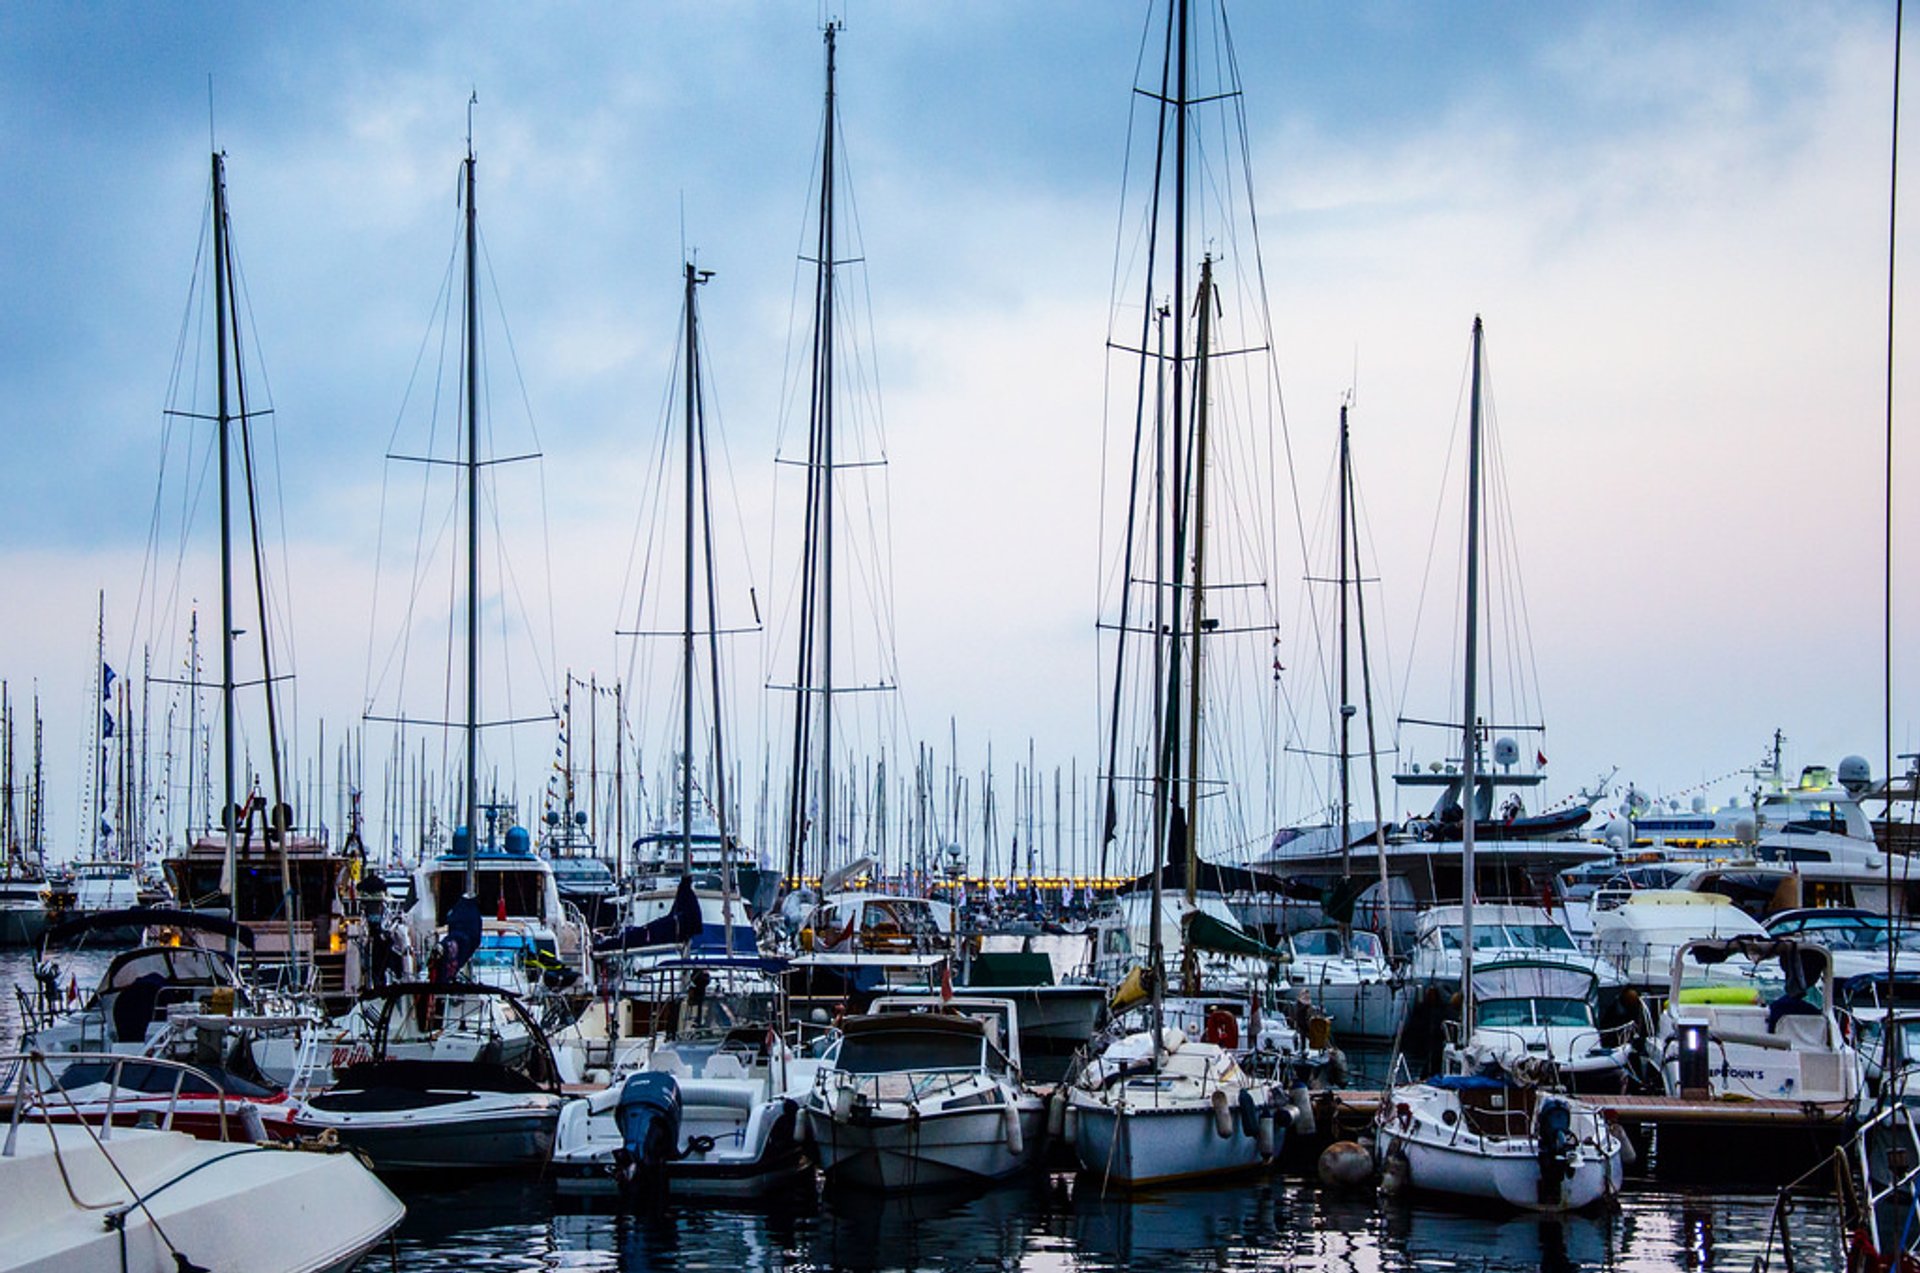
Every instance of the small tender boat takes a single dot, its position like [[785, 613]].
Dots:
[[715, 1110], [433, 1115], [154, 1200], [1489, 1139], [923, 1094]]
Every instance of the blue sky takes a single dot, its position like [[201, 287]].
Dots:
[[1673, 219]]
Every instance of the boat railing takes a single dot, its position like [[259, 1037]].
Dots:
[[39, 1091], [900, 1085]]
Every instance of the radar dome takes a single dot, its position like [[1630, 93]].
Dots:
[[1743, 830], [1699, 804], [1506, 752], [1856, 775]]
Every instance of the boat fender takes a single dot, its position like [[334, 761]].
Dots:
[[1014, 1134], [1265, 1135], [1249, 1112], [253, 1129], [1222, 1114], [1345, 1164], [1337, 1068], [842, 1104], [1302, 1101], [1056, 1114], [1070, 1124], [1395, 1171]]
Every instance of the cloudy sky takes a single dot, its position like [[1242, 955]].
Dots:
[[1673, 220]]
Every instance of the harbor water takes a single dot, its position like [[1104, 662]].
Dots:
[[1062, 1222]]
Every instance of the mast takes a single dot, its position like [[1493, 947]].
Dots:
[[722, 812], [1470, 740], [278, 825], [1198, 516], [230, 818], [693, 280], [816, 572], [472, 352], [1156, 939], [1366, 693], [1346, 710]]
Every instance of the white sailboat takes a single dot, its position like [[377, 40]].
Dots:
[[1485, 1137], [1156, 1105]]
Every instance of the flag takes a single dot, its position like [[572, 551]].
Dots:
[[946, 982], [107, 676], [106, 723], [1539, 757]]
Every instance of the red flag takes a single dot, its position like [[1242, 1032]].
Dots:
[[500, 910], [946, 982], [1539, 757]]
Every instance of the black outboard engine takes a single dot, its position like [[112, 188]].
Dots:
[[648, 1117], [1553, 1129]]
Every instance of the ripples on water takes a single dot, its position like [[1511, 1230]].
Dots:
[[1061, 1223]]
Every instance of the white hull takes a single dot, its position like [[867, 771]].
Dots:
[[1512, 1177], [895, 1151], [314, 1211], [1491, 1152], [1136, 1145]]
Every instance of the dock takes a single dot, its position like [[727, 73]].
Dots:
[[1679, 1138]]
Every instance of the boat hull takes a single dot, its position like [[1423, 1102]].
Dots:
[[505, 1141], [900, 1152], [1141, 1145], [1502, 1179]]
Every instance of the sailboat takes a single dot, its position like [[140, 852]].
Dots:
[[1486, 1137], [489, 901], [1156, 1105]]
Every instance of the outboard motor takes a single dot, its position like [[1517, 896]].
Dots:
[[648, 1117], [1557, 1145]]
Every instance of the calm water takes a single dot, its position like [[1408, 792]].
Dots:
[[1060, 1223]]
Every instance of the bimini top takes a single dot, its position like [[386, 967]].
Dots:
[[148, 917]]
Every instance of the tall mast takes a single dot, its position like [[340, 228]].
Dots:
[[277, 826], [222, 302], [693, 280], [1385, 909], [1470, 740], [1198, 516], [472, 351], [824, 355], [722, 813], [1346, 712]]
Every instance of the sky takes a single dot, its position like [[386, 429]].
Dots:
[[1672, 219]]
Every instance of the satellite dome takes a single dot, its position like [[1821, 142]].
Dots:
[[1743, 830], [1506, 752], [1856, 775], [1699, 804]]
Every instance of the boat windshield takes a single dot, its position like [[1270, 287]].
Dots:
[[1511, 937], [904, 1049], [1533, 1012]]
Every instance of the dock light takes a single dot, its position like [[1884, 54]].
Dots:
[[1693, 1061]]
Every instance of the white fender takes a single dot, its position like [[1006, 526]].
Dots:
[[1015, 1137], [1302, 1101], [1056, 1114], [1070, 1125], [1222, 1114], [842, 1104], [1264, 1136], [252, 1129]]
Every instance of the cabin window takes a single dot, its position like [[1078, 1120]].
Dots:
[[525, 896], [262, 897], [898, 1051]]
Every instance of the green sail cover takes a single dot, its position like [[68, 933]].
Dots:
[[1204, 932]]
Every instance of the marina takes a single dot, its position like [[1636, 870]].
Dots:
[[808, 877]]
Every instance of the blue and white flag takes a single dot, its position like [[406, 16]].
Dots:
[[107, 676], [106, 723]]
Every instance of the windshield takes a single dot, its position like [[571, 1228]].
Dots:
[[899, 1050], [1510, 937], [1532, 1012]]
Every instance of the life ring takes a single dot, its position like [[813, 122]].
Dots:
[[1221, 1028]]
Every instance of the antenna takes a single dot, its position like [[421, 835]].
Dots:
[[473, 100], [212, 139]]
